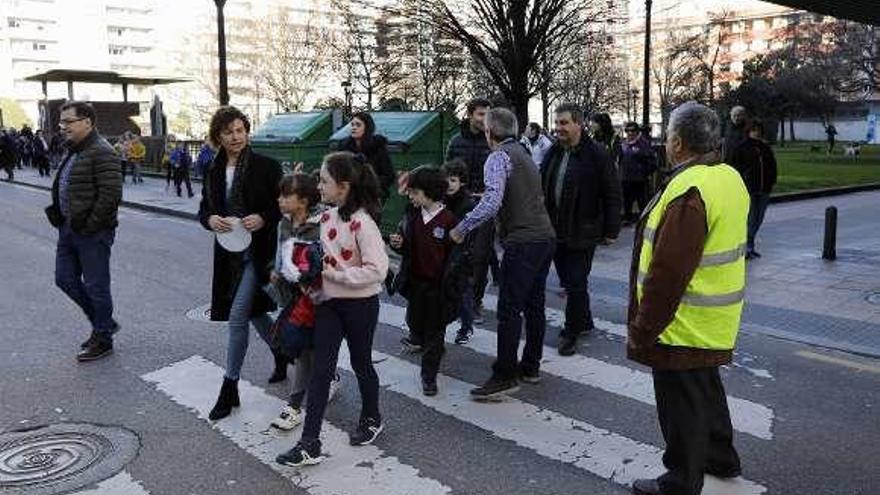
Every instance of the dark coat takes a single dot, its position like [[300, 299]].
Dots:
[[460, 203], [260, 192], [591, 205], [755, 162], [375, 151], [637, 161], [456, 272], [473, 149], [95, 188]]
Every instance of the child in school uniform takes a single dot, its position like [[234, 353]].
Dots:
[[460, 202]]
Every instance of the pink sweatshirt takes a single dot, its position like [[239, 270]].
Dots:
[[355, 261]]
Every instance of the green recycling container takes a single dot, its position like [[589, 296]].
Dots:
[[414, 138], [295, 137]]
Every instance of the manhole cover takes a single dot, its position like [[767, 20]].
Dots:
[[201, 313], [63, 457], [874, 298]]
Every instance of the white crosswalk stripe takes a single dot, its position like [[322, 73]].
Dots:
[[363, 470], [119, 484], [746, 416]]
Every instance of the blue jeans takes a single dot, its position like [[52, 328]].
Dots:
[[524, 268], [82, 271], [760, 201], [239, 317], [466, 311]]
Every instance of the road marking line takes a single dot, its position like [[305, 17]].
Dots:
[[121, 483], [365, 470], [549, 434], [556, 317], [846, 363], [746, 416]]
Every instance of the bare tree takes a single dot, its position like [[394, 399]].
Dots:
[[439, 62], [677, 76], [705, 50], [591, 77], [857, 53], [514, 39]]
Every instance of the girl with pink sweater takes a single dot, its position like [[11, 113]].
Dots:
[[355, 265]]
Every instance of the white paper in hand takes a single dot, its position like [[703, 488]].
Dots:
[[236, 240]]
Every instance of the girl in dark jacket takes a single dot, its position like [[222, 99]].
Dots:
[[603, 133], [240, 186], [373, 147]]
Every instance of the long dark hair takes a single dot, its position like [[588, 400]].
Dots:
[[363, 192], [606, 129], [369, 126]]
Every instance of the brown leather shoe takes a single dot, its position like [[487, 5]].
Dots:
[[646, 487]]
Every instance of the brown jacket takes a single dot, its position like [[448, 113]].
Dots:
[[678, 248]]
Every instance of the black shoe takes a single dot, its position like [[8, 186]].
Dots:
[[429, 387], [88, 341], [99, 347], [493, 389], [530, 377], [226, 401], [725, 473], [305, 453], [567, 345], [280, 372], [367, 431], [410, 345], [463, 336], [646, 487]]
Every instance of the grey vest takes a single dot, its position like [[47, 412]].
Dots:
[[523, 216]]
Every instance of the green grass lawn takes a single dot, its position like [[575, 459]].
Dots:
[[800, 169]]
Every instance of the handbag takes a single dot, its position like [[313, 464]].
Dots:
[[54, 215]]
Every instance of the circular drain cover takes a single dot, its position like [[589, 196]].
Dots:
[[874, 298], [201, 313], [63, 457]]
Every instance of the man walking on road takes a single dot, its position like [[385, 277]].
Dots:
[[513, 194], [582, 196], [687, 285], [85, 199]]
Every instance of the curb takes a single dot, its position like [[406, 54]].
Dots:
[[128, 204], [822, 193]]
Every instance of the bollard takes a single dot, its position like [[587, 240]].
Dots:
[[829, 251]]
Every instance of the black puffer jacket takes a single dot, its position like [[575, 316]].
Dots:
[[473, 149], [95, 188], [375, 151]]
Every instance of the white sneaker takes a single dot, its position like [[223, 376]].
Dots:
[[335, 384], [289, 419]]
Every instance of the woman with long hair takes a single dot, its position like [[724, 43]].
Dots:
[[373, 147]]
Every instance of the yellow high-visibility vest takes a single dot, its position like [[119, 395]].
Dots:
[[709, 314]]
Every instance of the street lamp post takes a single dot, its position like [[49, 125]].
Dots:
[[646, 88], [346, 88], [221, 51]]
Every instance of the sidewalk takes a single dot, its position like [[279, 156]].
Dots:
[[791, 292]]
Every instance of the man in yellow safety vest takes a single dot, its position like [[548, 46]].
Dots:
[[687, 285]]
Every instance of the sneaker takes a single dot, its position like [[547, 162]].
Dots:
[[96, 350], [479, 319], [567, 345], [367, 431], [463, 336], [409, 345], [530, 377], [289, 418], [335, 385], [493, 389], [429, 387], [305, 453]]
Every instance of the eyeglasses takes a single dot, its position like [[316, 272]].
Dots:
[[66, 122]]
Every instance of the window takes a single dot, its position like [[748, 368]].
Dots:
[[39, 47], [116, 50], [13, 22]]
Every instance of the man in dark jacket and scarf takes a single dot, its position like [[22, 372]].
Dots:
[[85, 199], [471, 147], [583, 197]]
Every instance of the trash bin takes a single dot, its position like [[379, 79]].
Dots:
[[295, 137], [414, 138]]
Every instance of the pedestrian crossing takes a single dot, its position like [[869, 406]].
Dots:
[[593, 450]]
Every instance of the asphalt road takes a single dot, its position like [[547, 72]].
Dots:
[[808, 419]]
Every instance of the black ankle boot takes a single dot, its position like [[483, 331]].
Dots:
[[280, 372], [226, 401]]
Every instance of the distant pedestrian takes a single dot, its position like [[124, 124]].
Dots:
[[25, 147], [687, 285], [239, 190], [603, 133], [181, 164], [373, 147], [637, 163], [434, 269], [536, 142], [514, 195], [41, 154], [736, 134], [137, 153], [8, 153], [85, 199], [204, 158], [831, 134], [759, 174], [471, 147], [355, 265], [582, 197]]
